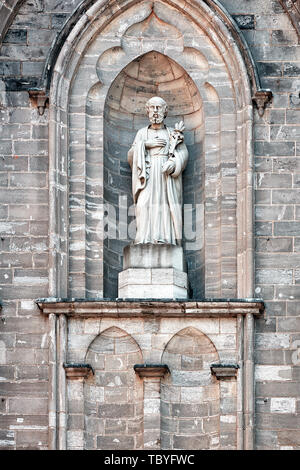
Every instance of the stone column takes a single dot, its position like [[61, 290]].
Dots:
[[76, 375], [62, 385], [52, 382], [240, 383], [152, 375], [152, 413], [249, 382]]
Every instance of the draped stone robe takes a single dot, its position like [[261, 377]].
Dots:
[[157, 195]]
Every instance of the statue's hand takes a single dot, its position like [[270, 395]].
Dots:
[[151, 144], [168, 167]]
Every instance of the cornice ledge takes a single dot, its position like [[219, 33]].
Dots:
[[125, 308], [151, 370], [77, 371]]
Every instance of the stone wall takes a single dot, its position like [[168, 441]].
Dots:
[[24, 195], [189, 407]]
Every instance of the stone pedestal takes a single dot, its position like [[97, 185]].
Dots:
[[153, 272]]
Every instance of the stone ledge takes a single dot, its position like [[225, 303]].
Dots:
[[77, 371], [152, 308], [224, 371]]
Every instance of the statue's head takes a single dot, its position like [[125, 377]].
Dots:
[[157, 109]]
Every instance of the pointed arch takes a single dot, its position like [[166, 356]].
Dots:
[[113, 396], [197, 337], [190, 393], [76, 72], [109, 337]]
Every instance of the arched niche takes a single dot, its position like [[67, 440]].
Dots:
[[190, 395], [113, 395], [99, 48], [152, 74]]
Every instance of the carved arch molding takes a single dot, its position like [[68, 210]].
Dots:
[[105, 44], [8, 11]]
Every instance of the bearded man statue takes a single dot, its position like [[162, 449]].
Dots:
[[157, 158]]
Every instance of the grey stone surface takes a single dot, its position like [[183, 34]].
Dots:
[[153, 256], [154, 283], [24, 218]]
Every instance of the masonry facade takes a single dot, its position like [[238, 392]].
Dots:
[[74, 359]]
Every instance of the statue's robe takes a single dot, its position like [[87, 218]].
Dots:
[[157, 195]]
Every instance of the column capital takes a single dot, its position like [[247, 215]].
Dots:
[[77, 371], [151, 370], [224, 371]]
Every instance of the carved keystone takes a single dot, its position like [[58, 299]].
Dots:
[[77, 371], [39, 100], [224, 371], [151, 370], [261, 98]]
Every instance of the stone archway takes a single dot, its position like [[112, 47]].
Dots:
[[190, 408], [152, 74], [87, 66], [113, 396], [89, 63]]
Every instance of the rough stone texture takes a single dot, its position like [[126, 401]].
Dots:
[[24, 223]]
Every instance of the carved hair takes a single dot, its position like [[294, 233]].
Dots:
[[162, 102]]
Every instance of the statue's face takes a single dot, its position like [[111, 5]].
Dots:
[[156, 111]]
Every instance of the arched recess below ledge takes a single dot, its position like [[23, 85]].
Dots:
[[113, 395], [100, 47], [188, 391]]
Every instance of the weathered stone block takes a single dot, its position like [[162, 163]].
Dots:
[[9, 68], [279, 373], [29, 406], [287, 437], [190, 442], [115, 426], [274, 213], [274, 245], [211, 424], [117, 442], [116, 411], [272, 341], [32, 372], [283, 405], [29, 437], [274, 276]]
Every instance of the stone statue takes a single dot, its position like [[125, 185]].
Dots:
[[157, 158]]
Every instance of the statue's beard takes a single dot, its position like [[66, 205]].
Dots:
[[156, 118]]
